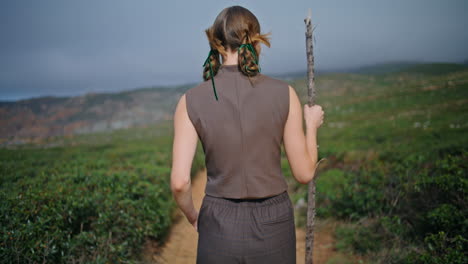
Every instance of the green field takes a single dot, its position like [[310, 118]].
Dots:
[[395, 177], [95, 199], [397, 157]]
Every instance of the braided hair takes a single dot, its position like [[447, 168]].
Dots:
[[235, 28]]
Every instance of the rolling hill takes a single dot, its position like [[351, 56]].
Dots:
[[393, 183], [36, 119]]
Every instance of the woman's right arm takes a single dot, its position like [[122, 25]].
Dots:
[[301, 150]]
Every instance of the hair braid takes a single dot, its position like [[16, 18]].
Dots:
[[214, 58], [235, 29], [247, 58]]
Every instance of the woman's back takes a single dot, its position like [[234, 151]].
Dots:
[[242, 122], [241, 132]]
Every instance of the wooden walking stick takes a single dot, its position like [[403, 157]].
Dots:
[[311, 101]]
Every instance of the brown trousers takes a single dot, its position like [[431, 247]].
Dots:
[[246, 231]]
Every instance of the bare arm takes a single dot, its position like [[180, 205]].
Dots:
[[301, 150], [184, 147]]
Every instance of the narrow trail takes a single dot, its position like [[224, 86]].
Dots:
[[181, 244]]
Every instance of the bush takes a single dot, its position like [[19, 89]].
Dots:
[[397, 155], [85, 217], [441, 249], [351, 195], [407, 201], [359, 238], [86, 204]]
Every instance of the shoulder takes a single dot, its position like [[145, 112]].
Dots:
[[198, 88], [273, 81], [193, 97], [285, 86], [280, 87], [197, 92]]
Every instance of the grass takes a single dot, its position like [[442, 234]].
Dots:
[[395, 145], [385, 136], [87, 199]]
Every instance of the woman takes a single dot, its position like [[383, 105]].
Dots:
[[241, 117]]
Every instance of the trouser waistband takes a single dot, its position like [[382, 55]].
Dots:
[[279, 198]]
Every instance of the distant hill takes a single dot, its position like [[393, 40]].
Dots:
[[289, 75], [410, 68], [38, 118], [384, 68], [434, 68]]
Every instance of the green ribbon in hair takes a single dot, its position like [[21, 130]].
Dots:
[[211, 71], [246, 45], [251, 48]]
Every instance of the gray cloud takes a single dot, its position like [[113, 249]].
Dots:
[[73, 47]]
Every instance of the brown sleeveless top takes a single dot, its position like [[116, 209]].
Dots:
[[241, 133]]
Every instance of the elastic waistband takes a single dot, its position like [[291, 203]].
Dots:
[[279, 198]]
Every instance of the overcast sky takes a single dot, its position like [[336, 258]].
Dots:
[[73, 47]]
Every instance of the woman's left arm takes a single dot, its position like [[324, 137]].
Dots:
[[183, 152]]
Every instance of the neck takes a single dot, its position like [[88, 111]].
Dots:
[[231, 58]]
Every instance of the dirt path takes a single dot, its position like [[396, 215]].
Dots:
[[181, 245]]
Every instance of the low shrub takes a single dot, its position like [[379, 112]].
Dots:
[[85, 204]]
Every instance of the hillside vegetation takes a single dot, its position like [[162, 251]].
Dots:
[[397, 157], [395, 178], [94, 199], [37, 119]]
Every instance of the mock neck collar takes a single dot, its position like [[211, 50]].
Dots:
[[230, 68]]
